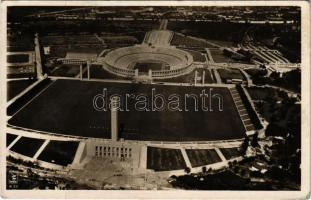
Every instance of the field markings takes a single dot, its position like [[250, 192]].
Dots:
[[209, 55], [33, 99], [23, 92], [100, 39], [78, 156], [81, 73], [186, 158], [217, 76], [14, 141], [222, 157], [46, 142]]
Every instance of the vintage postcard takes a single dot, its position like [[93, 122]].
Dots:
[[160, 99]]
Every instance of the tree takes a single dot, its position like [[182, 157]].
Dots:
[[187, 170], [29, 173], [254, 142], [244, 145], [204, 169], [242, 172], [236, 169]]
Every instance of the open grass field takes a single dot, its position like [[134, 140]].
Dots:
[[163, 159], [60, 51], [69, 39], [66, 107], [15, 74], [223, 43], [185, 41], [230, 153], [27, 146], [17, 86], [60, 45], [227, 74], [123, 40], [219, 57], [20, 43], [18, 58], [59, 152], [201, 157], [21, 101], [10, 138], [197, 56], [66, 70], [209, 76]]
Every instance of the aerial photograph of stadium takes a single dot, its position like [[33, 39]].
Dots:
[[153, 98]]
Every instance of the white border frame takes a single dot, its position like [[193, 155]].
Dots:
[[173, 194]]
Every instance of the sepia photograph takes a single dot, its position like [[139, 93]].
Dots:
[[154, 98]]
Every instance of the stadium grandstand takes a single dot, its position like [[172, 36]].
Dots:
[[122, 61]]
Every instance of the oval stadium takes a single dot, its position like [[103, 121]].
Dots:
[[145, 58]]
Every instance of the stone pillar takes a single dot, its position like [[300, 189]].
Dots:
[[136, 73], [114, 119], [150, 73], [88, 70], [203, 77], [38, 57], [81, 72]]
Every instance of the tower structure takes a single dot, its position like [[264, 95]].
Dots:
[[114, 119], [38, 57]]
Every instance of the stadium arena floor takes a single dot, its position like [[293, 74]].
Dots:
[[66, 107]]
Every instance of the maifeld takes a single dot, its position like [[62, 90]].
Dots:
[[205, 101]]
